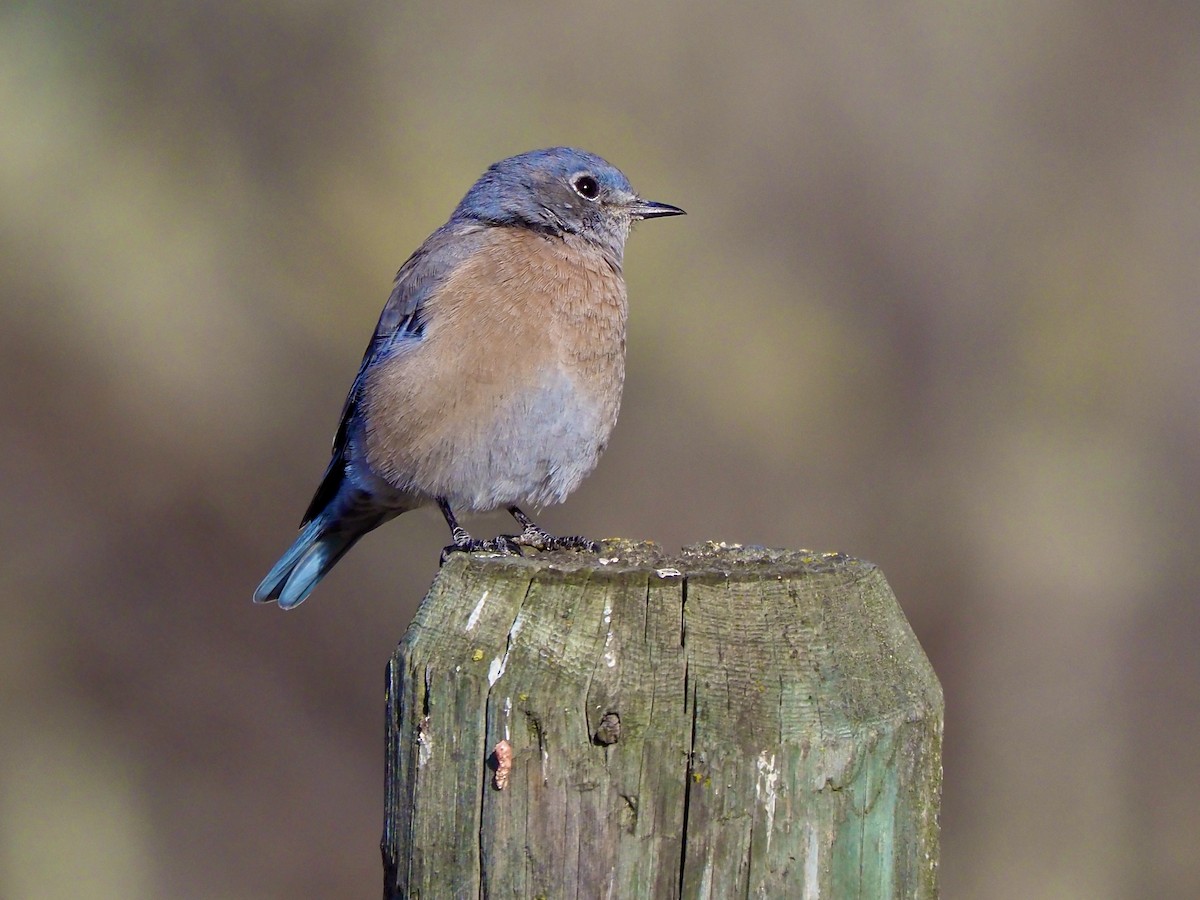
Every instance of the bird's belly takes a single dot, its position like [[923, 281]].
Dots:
[[535, 449], [533, 446]]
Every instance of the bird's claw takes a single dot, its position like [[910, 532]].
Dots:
[[503, 545], [540, 539]]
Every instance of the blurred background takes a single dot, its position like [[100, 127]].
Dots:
[[934, 304]]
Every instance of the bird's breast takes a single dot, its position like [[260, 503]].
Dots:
[[512, 391]]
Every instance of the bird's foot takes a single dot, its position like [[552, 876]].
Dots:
[[540, 539], [504, 545]]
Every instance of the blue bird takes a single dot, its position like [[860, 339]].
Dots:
[[494, 375]]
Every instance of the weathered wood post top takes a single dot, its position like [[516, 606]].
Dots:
[[729, 722]]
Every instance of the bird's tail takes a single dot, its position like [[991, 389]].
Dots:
[[318, 547], [314, 553]]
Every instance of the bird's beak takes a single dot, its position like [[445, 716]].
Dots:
[[648, 209]]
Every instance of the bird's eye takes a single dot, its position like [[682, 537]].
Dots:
[[586, 187]]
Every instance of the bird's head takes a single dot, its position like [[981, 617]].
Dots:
[[559, 191]]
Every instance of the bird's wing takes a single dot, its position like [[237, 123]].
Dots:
[[401, 320]]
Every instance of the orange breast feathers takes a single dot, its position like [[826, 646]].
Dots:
[[522, 355]]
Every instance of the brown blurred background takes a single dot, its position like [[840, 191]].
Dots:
[[934, 304]]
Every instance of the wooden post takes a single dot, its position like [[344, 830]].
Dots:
[[734, 722]]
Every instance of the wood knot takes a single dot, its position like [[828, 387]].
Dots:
[[609, 731], [501, 763]]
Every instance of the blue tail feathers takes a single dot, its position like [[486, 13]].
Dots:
[[317, 548]]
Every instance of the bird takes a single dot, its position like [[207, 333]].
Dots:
[[494, 375]]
